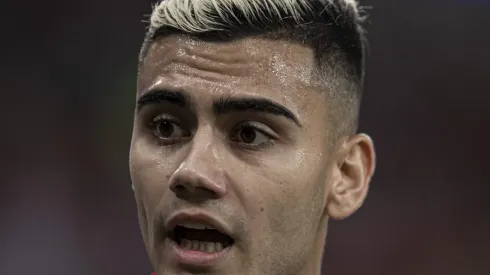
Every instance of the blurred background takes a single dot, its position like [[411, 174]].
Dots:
[[68, 75]]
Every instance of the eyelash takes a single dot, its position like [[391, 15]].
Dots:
[[154, 123], [257, 127], [234, 137]]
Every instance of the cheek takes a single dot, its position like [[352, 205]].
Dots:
[[291, 194], [297, 209], [150, 176]]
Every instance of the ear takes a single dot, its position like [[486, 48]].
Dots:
[[352, 172]]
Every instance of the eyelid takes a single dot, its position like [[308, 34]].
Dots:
[[156, 119], [259, 127], [164, 117]]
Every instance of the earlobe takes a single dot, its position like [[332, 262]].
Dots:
[[351, 176]]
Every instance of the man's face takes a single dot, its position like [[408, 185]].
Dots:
[[230, 136]]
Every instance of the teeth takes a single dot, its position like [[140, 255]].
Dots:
[[209, 247], [186, 244], [196, 225], [195, 245]]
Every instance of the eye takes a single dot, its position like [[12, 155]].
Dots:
[[252, 134], [168, 130]]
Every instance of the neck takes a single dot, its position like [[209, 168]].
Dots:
[[314, 267]]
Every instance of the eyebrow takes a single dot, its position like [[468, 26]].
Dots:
[[220, 107], [228, 105], [158, 96]]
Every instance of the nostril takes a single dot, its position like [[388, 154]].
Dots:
[[181, 191], [191, 184], [179, 188], [190, 192]]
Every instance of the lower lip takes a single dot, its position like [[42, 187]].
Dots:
[[198, 258]]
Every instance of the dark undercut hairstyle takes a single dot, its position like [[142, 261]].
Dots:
[[332, 28]]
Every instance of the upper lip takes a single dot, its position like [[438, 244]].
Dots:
[[196, 217]]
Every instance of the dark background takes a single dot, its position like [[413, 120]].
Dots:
[[68, 71]]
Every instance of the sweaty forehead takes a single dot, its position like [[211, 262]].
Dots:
[[248, 61]]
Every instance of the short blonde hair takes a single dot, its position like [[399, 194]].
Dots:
[[195, 16]]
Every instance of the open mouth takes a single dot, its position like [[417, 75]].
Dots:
[[198, 237]]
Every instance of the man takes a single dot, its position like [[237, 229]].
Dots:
[[244, 142]]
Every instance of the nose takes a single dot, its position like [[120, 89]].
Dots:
[[200, 177]]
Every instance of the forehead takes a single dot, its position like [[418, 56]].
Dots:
[[278, 70]]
